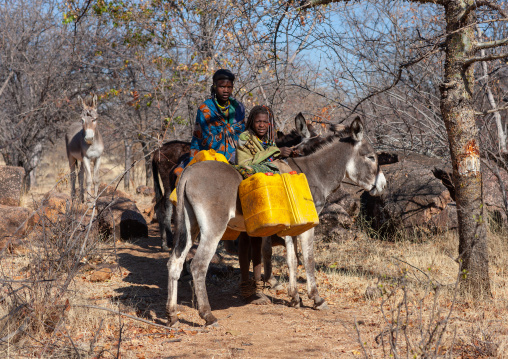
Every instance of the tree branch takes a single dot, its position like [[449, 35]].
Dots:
[[490, 44], [398, 76], [307, 4], [483, 113], [313, 3], [133, 317], [481, 3], [472, 60], [6, 82]]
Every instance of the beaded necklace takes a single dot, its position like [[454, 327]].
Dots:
[[266, 143], [224, 109]]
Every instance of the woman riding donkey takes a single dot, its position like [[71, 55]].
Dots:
[[219, 122], [257, 152]]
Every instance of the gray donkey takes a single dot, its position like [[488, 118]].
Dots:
[[209, 203], [83, 142]]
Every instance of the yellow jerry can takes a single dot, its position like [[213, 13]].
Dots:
[[265, 205], [208, 155], [205, 155], [303, 211], [230, 235]]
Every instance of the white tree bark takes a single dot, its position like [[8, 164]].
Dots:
[[501, 130]]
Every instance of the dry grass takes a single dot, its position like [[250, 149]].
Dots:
[[418, 282], [346, 269], [39, 294]]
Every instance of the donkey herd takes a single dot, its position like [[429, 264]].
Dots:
[[208, 193]]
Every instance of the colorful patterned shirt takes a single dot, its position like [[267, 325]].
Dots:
[[216, 130]]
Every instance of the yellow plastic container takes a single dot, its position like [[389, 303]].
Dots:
[[230, 235], [265, 205], [208, 155], [205, 155], [303, 211]]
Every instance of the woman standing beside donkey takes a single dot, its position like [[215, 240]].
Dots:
[[256, 152]]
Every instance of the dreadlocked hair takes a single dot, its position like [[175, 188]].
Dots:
[[262, 110]]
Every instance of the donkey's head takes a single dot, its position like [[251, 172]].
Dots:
[[300, 134], [311, 139], [89, 117], [362, 167]]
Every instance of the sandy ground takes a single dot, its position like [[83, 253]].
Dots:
[[244, 331]]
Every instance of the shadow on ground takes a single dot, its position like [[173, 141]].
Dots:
[[145, 290]]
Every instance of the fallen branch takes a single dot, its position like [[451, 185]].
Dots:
[[133, 317]]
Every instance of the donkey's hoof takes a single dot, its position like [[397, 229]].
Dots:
[[213, 325], [210, 320], [295, 303], [173, 321], [321, 305]]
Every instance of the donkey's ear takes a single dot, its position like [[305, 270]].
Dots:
[[94, 101], [301, 126], [357, 129], [80, 100]]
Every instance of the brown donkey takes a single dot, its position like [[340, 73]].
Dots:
[[209, 203], [83, 142]]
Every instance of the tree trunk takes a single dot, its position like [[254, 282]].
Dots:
[[458, 114], [148, 164], [128, 164]]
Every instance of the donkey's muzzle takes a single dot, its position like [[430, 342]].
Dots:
[[89, 136], [379, 185]]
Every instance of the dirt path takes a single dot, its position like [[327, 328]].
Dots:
[[244, 331]]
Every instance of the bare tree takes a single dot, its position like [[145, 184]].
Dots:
[[461, 48], [36, 73]]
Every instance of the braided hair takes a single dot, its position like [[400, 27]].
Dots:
[[262, 110]]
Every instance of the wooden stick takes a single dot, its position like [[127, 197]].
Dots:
[[135, 318]]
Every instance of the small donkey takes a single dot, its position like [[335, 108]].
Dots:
[[83, 142]]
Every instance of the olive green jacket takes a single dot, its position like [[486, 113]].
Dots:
[[250, 151]]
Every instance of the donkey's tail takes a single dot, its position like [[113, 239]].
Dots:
[[156, 181], [181, 226]]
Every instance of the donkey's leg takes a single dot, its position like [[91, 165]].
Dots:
[[88, 174], [244, 256], [186, 232], [96, 175], [199, 266], [80, 180], [164, 218], [266, 248], [168, 234], [307, 241], [260, 297], [72, 165], [292, 266]]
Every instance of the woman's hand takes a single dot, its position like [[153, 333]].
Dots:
[[285, 151]]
